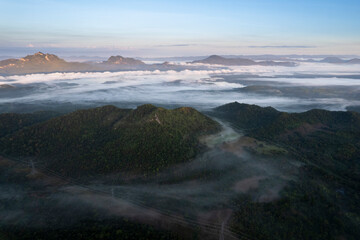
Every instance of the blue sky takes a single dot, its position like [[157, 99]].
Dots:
[[168, 28]]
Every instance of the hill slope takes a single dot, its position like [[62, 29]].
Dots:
[[322, 201], [329, 139], [109, 139], [48, 63]]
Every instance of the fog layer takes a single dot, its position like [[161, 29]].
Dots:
[[286, 87]]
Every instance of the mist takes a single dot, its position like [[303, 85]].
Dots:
[[196, 194], [202, 89]]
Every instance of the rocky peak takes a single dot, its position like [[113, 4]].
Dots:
[[123, 61], [40, 57], [39, 54]]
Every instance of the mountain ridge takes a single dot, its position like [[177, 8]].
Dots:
[[123, 60], [49, 63], [335, 133], [109, 139], [216, 59]]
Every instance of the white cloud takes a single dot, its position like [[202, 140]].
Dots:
[[198, 88]]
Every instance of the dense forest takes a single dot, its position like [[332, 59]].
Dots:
[[319, 202], [323, 203], [108, 139]]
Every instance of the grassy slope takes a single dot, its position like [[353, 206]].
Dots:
[[108, 139]]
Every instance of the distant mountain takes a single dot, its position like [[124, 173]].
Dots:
[[215, 59], [264, 57], [47, 63], [119, 60], [336, 60], [39, 62], [354, 61], [122, 63], [85, 59], [108, 139], [332, 60], [11, 122]]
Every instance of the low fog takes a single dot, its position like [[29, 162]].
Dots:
[[197, 194], [300, 88]]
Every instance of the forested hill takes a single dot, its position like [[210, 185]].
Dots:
[[108, 139], [11, 122], [322, 202], [330, 139]]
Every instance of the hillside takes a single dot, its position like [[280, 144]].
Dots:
[[325, 193], [12, 122], [109, 139], [44, 63], [326, 138]]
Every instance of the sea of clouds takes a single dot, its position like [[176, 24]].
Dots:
[[203, 89]]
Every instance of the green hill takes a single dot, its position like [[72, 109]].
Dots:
[[328, 139], [246, 116], [11, 122], [322, 202], [109, 139]]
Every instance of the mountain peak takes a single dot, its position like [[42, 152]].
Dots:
[[39, 54], [215, 57], [41, 58], [332, 60], [120, 60], [125, 140]]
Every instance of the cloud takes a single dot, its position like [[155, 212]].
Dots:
[[202, 89], [282, 46], [176, 45], [30, 45]]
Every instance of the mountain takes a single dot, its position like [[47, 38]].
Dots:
[[332, 60], [109, 139], [247, 116], [336, 60], [328, 139], [122, 63], [40, 62], [215, 59], [119, 60], [47, 63], [354, 61], [325, 146], [12, 122]]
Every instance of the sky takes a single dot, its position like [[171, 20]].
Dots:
[[179, 28]]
